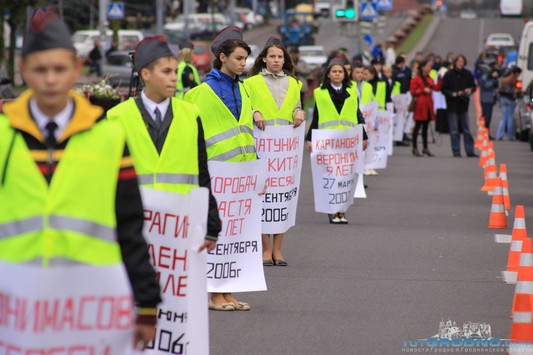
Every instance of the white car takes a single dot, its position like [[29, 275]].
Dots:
[[251, 58], [498, 40], [468, 14], [315, 56]]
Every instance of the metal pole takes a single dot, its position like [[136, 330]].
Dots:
[[61, 8], [255, 5], [187, 10], [102, 17], [281, 9], [159, 13], [231, 6]]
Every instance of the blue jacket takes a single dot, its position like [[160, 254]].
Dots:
[[227, 89], [487, 87]]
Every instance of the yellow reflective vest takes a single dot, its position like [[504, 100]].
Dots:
[[176, 169], [180, 90], [263, 101], [328, 117], [226, 139], [367, 96], [381, 95], [73, 219]]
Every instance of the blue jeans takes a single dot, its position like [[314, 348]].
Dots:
[[507, 106], [486, 111], [459, 121]]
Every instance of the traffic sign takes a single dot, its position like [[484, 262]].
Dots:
[[384, 4], [369, 11], [115, 10]]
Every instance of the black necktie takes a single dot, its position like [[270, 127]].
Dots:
[[50, 134], [158, 119]]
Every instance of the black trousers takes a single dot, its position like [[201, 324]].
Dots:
[[424, 125]]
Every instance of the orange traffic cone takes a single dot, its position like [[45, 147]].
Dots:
[[505, 187], [519, 227], [518, 236], [522, 326], [480, 136], [490, 173], [497, 212], [487, 152]]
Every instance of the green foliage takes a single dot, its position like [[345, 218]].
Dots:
[[410, 42]]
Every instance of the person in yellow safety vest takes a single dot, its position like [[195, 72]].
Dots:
[[364, 89], [336, 107], [188, 77], [379, 88], [226, 113], [88, 211], [154, 135], [392, 87], [275, 92]]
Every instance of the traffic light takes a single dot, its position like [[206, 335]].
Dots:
[[347, 12], [351, 11]]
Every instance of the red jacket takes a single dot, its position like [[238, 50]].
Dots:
[[424, 101]]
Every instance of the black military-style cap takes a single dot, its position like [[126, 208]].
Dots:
[[227, 33], [46, 31], [149, 49], [273, 41]]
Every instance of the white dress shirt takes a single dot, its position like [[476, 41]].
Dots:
[[151, 106], [62, 119]]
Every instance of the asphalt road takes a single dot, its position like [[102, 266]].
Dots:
[[416, 251]]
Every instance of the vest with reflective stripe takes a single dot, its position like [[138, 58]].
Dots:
[[74, 218], [180, 91], [176, 169], [328, 117], [263, 101], [226, 138], [381, 95], [366, 93]]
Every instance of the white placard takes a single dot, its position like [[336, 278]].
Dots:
[[175, 225], [370, 112], [336, 160], [65, 310], [282, 148], [236, 265], [382, 141], [401, 103]]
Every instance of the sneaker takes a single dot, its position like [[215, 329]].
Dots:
[[342, 218], [335, 219], [373, 172], [367, 172]]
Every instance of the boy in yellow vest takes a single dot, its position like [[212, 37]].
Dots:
[[165, 134], [88, 211]]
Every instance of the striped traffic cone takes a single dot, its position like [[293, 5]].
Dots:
[[518, 236], [497, 212], [484, 150], [505, 187], [519, 227], [491, 174], [480, 136], [522, 326]]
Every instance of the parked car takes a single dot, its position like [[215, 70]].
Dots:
[[315, 56], [498, 40], [117, 66], [84, 40], [203, 59], [249, 18], [199, 25], [251, 58], [524, 116]]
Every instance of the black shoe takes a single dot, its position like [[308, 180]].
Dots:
[[457, 155], [472, 155], [491, 138], [427, 152], [416, 152], [402, 144]]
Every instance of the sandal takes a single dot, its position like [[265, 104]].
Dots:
[[221, 307], [241, 306]]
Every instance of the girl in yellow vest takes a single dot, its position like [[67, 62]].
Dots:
[[275, 91], [336, 101], [364, 89], [188, 76], [227, 117]]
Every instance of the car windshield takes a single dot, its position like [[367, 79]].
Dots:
[[500, 39], [119, 59]]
